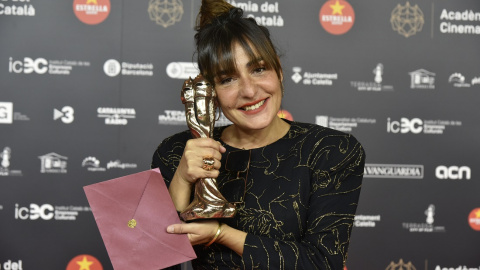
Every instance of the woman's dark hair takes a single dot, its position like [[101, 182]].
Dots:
[[219, 27]]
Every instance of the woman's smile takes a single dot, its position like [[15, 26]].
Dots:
[[253, 107]]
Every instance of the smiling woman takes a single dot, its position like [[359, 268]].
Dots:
[[297, 194], [250, 97]]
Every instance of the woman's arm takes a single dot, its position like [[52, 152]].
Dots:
[[335, 190], [180, 172], [202, 232]]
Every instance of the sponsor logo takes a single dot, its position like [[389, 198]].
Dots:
[[91, 11], [112, 68], [35, 211], [7, 115], [12, 265], [116, 116], [401, 265], [53, 163], [460, 267], [29, 65], [5, 155], [376, 85], [137, 69], [337, 17], [459, 22], [475, 81], [17, 9], [285, 115], [474, 219], [366, 221], [428, 226], [43, 66], [172, 117], [165, 12], [84, 261], [269, 12], [92, 164], [5, 170], [417, 126], [393, 171], [345, 124], [405, 125], [6, 112], [458, 80], [48, 212], [65, 114], [313, 78], [117, 164], [422, 79], [182, 70], [175, 117], [453, 172], [407, 20]]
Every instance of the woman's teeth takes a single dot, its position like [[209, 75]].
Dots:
[[253, 107]]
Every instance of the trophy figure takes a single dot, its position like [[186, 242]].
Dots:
[[199, 98]]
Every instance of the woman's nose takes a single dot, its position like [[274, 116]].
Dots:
[[247, 87]]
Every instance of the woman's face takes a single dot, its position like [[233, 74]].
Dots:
[[250, 97]]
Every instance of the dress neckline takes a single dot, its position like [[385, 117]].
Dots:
[[222, 128]]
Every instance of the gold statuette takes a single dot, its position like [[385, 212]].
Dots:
[[199, 98]]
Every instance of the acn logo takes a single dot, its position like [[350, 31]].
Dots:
[[405, 125], [453, 172]]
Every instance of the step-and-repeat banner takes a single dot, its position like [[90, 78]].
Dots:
[[89, 88]]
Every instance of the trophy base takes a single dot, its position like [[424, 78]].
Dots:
[[201, 211], [208, 202]]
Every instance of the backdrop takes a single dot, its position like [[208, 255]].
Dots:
[[89, 88]]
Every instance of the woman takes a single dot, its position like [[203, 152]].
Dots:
[[297, 192]]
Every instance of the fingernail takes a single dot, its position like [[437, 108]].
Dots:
[[170, 229]]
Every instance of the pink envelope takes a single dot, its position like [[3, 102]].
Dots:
[[140, 198]]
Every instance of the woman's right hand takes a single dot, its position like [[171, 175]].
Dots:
[[191, 165], [191, 168]]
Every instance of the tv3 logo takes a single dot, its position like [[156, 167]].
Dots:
[[65, 114]]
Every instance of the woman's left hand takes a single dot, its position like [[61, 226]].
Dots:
[[198, 232]]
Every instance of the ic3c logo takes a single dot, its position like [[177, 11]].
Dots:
[[405, 125], [453, 172], [29, 65], [45, 212]]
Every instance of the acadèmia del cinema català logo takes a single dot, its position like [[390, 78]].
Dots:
[[337, 17], [91, 11]]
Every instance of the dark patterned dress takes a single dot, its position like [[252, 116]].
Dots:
[[297, 203]]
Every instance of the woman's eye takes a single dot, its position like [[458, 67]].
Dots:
[[226, 80], [259, 70]]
